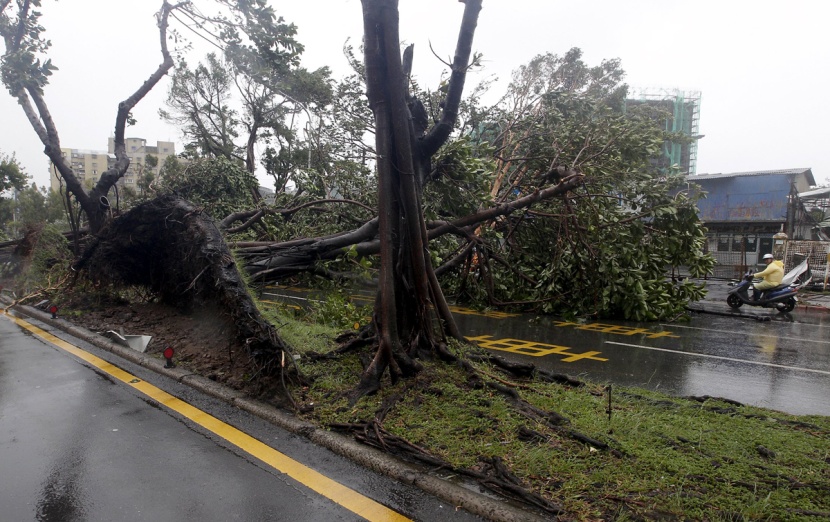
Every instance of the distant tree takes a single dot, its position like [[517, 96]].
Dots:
[[12, 179], [40, 205], [30, 206], [252, 94], [199, 102], [12, 175]]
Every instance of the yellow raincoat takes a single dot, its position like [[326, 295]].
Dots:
[[772, 275]]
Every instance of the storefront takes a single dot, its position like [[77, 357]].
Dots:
[[744, 210]]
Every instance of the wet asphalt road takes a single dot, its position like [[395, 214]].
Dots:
[[76, 444], [782, 364]]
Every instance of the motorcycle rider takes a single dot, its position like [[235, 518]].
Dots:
[[772, 275]]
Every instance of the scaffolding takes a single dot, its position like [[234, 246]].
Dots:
[[684, 110]]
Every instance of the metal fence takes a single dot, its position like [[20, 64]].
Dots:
[[729, 265], [816, 252], [732, 265]]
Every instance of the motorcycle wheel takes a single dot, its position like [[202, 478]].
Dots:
[[735, 302], [787, 306]]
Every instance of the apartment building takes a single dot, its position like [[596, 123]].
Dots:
[[89, 165]]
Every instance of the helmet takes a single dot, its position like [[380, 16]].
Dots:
[[767, 256]]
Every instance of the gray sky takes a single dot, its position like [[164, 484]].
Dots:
[[761, 66]]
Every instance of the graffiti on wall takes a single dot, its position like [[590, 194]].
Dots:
[[759, 198]]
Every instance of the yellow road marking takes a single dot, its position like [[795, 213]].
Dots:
[[342, 495], [533, 348], [616, 329]]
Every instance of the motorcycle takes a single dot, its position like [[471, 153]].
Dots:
[[783, 297]]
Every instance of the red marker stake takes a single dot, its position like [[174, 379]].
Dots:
[[168, 354]]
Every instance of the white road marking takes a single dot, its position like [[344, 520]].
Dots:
[[754, 334], [707, 356]]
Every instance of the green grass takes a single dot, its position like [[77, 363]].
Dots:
[[669, 459], [675, 458]]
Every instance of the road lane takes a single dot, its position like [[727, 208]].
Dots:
[[781, 365], [721, 358], [778, 361], [86, 445]]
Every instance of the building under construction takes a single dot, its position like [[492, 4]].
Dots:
[[679, 113]]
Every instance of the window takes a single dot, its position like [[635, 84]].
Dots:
[[742, 243]]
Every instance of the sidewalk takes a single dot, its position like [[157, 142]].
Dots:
[[717, 289]]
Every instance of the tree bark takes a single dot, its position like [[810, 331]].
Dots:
[[94, 203], [408, 293]]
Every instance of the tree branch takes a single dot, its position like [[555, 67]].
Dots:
[[439, 134], [112, 175]]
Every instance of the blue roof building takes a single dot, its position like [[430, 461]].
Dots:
[[743, 210]]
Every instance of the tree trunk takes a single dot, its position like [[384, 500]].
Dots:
[[412, 318], [94, 204]]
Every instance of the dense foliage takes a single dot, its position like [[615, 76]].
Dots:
[[604, 249], [219, 186], [45, 261]]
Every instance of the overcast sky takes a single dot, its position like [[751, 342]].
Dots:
[[761, 66]]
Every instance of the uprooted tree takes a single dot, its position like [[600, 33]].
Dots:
[[547, 201], [166, 245], [524, 206]]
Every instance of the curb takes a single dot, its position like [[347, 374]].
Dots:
[[725, 313], [371, 458], [815, 308], [704, 306], [703, 309]]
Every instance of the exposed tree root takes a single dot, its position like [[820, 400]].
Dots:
[[177, 252], [352, 341], [491, 473], [553, 420], [704, 398], [526, 370]]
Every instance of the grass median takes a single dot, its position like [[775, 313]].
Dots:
[[654, 457]]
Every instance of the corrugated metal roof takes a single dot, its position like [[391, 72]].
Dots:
[[779, 172], [815, 193]]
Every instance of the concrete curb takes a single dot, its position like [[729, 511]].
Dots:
[[725, 313], [814, 308], [701, 307], [375, 460]]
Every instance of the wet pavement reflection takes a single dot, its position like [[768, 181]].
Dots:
[[778, 364], [777, 361], [78, 444]]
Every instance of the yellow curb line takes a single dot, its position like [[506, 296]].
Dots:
[[331, 489]]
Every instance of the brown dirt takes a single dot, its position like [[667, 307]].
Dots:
[[203, 341]]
